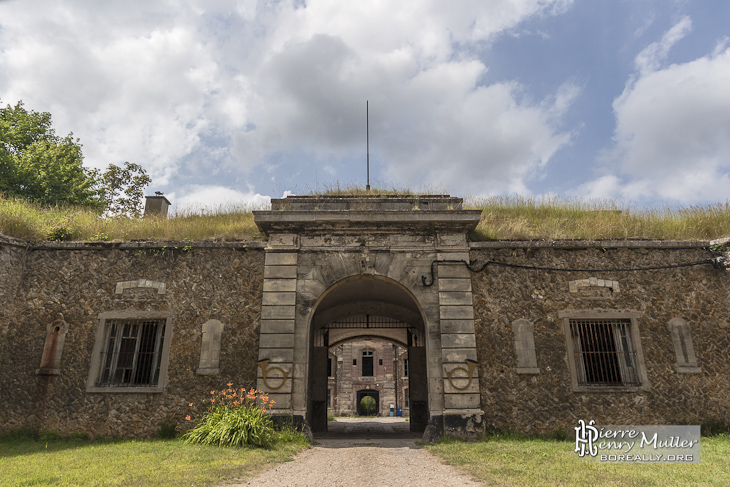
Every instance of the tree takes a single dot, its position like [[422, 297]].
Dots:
[[121, 189], [37, 164]]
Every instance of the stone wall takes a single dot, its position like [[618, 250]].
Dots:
[[224, 282], [544, 401], [12, 259], [80, 281]]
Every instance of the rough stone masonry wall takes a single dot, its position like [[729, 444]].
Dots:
[[544, 402], [12, 258], [200, 284]]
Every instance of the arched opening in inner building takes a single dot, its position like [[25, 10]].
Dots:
[[367, 341]]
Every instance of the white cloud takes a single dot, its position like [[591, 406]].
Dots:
[[672, 136], [651, 57], [188, 91], [202, 199]]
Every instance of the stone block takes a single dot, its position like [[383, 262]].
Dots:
[[281, 402], [281, 258], [458, 340], [461, 385], [456, 298], [276, 355], [279, 299], [280, 271], [277, 326], [278, 312], [461, 401], [458, 355], [453, 271], [457, 326], [276, 340], [463, 256], [279, 387], [457, 312], [454, 284], [280, 285]]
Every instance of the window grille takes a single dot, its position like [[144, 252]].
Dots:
[[405, 367], [132, 353], [604, 353]]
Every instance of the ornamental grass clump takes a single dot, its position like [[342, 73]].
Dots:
[[234, 417]]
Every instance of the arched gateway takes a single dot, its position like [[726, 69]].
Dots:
[[360, 260]]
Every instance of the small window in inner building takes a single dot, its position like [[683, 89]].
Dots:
[[329, 367], [367, 363], [405, 367], [354, 361], [380, 361]]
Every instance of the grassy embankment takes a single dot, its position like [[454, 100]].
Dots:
[[511, 462], [503, 218]]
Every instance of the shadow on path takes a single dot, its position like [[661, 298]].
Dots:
[[368, 428]]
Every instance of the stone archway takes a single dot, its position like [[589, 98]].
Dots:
[[398, 258], [367, 307]]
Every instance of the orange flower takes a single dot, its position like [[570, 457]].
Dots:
[[191, 404], [212, 392], [229, 384], [236, 403], [187, 418]]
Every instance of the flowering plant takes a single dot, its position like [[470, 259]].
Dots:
[[233, 417]]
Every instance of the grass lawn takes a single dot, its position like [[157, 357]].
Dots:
[[131, 463], [510, 462]]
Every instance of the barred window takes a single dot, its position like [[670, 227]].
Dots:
[[130, 352], [604, 351], [132, 355], [604, 354]]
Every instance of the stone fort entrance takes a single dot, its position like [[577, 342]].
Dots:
[[341, 268], [367, 306]]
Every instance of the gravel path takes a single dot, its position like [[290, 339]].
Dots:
[[355, 462]]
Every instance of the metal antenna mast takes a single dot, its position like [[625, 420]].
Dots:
[[367, 129]]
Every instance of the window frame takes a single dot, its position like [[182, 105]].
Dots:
[[634, 336], [102, 334], [367, 355]]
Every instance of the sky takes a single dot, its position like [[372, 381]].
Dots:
[[230, 103]]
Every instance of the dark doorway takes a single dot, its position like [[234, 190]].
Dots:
[[362, 410]]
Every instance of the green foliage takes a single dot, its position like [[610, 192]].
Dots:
[[368, 405], [38, 165], [60, 234], [234, 418], [331, 417], [121, 189]]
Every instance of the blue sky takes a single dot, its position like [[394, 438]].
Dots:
[[236, 102]]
